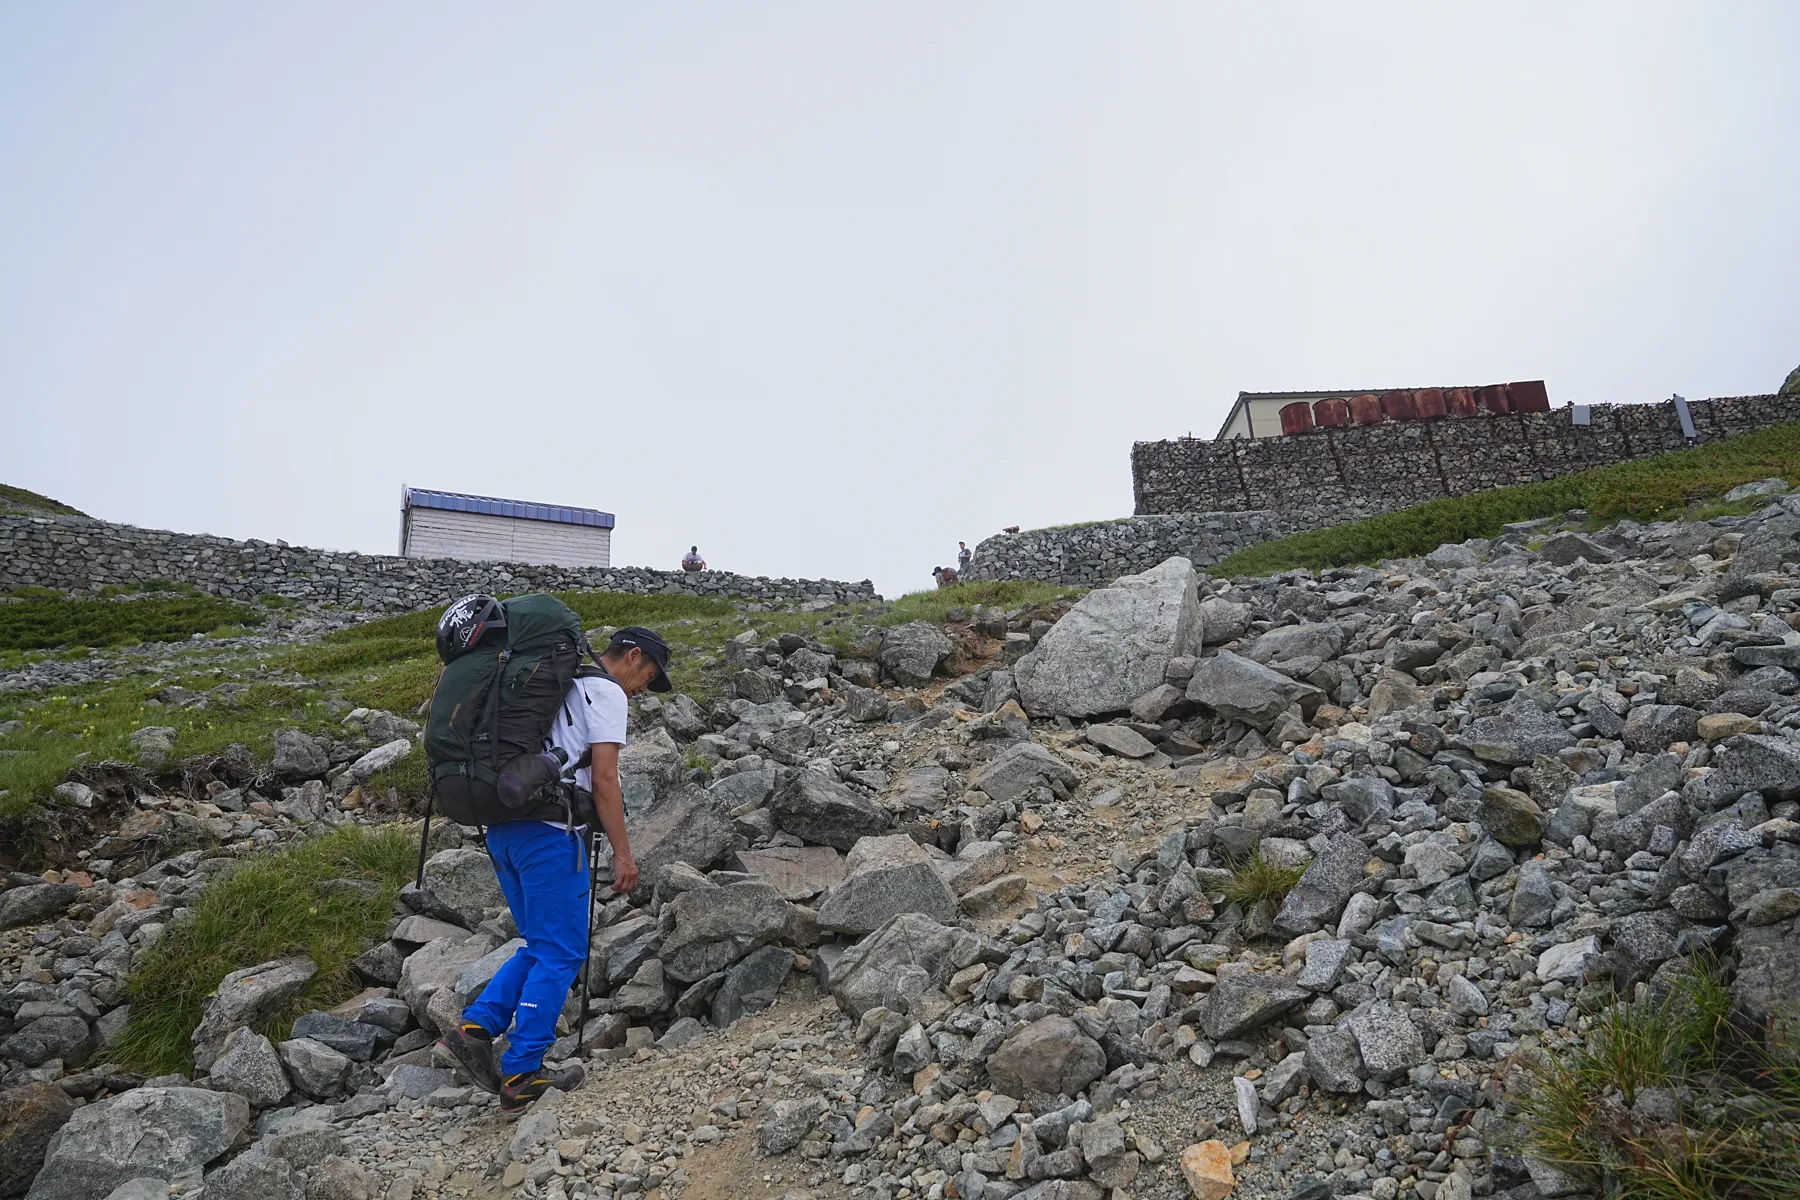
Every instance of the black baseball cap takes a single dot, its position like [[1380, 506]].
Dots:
[[654, 648]]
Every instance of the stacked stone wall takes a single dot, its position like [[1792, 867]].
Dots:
[[81, 554], [1092, 555], [1398, 464]]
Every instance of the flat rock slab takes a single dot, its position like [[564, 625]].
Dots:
[[797, 872]]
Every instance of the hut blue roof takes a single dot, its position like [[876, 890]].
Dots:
[[562, 514]]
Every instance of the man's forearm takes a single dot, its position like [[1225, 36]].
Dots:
[[609, 805]]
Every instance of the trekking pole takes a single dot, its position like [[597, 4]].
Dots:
[[425, 837], [587, 962]]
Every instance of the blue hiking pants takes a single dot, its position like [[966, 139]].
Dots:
[[544, 876]]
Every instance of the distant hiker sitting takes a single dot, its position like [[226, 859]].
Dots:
[[691, 561], [963, 555], [544, 876], [944, 575]]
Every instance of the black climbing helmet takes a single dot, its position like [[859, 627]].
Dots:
[[466, 622]]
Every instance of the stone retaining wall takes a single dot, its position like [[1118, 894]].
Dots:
[[79, 554], [1099, 553], [1398, 464]]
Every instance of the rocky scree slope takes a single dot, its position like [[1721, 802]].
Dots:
[[1513, 778]]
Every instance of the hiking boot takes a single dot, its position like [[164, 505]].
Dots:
[[473, 1047], [518, 1091]]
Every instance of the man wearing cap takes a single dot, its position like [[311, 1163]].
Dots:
[[543, 871]]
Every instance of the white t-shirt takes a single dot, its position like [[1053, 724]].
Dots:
[[595, 710]]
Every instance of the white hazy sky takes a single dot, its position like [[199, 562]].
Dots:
[[827, 287]]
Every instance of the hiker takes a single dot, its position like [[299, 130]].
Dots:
[[945, 576], [963, 555], [691, 561], [543, 870]]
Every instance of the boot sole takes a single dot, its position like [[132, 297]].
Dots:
[[471, 1072]]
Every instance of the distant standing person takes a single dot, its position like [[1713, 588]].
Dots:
[[963, 555], [691, 561]]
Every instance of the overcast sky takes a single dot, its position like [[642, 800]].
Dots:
[[827, 287]]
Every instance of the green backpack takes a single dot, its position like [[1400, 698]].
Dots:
[[492, 710]]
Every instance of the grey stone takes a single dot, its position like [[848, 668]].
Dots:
[[248, 996], [1534, 899], [463, 882], [434, 967], [797, 872], [35, 902], [1465, 999], [1114, 644], [1656, 726], [750, 986], [299, 756], [380, 758], [1564, 548], [154, 1132], [1517, 734], [1325, 962], [472, 980], [248, 1065], [685, 826], [1363, 798], [1242, 690], [1019, 768], [1121, 740], [337, 1178], [1751, 762], [353, 1039], [1051, 1055], [1767, 985], [64, 1036], [1223, 620], [1322, 641], [785, 1122], [1569, 962], [314, 1067], [1333, 1062], [152, 745], [684, 717], [885, 876], [909, 955], [825, 812], [252, 1177], [1241, 1003], [416, 1082], [1511, 817], [994, 897], [913, 652], [1389, 1042], [714, 928], [1642, 942], [1158, 702], [1323, 889]]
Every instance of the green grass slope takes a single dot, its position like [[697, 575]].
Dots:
[[1644, 489], [17, 499]]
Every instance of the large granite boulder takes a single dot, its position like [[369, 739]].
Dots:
[[249, 996], [885, 876], [1114, 645], [150, 1132]]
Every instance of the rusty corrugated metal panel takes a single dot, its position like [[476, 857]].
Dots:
[[1331, 414], [1296, 417], [1493, 399], [1399, 406], [1460, 402], [1365, 410], [1428, 403], [1528, 396]]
